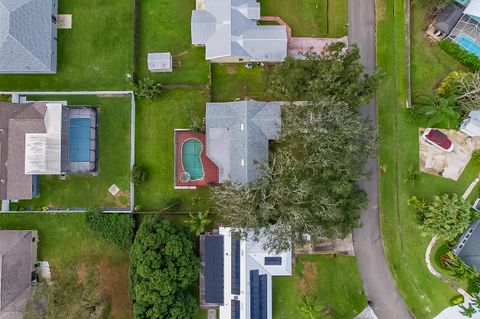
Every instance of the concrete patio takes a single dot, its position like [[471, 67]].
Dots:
[[449, 165]]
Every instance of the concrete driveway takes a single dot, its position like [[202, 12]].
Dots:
[[367, 240]]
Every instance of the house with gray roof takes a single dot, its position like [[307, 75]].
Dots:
[[18, 253], [28, 36], [238, 135], [42, 138], [468, 246], [229, 31]]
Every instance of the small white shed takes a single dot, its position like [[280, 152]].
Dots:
[[471, 125], [160, 62]]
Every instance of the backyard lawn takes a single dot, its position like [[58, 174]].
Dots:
[[235, 81], [80, 191], [310, 18], [94, 55], [70, 247], [165, 27], [332, 284], [156, 121], [404, 244]]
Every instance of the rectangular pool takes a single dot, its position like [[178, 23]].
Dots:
[[468, 44], [79, 140]]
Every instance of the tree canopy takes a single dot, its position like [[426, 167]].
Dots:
[[310, 185], [336, 72], [163, 267], [446, 216]]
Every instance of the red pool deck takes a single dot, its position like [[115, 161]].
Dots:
[[209, 168]]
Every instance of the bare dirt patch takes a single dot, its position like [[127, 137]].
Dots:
[[306, 284], [113, 282], [231, 70], [122, 199], [82, 273]]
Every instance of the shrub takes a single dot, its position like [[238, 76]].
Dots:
[[456, 300], [117, 228], [146, 88], [138, 174], [470, 60]]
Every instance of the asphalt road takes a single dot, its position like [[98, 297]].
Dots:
[[367, 240]]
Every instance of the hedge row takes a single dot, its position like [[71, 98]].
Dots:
[[470, 60], [117, 228]]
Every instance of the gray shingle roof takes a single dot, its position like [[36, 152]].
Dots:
[[468, 246], [237, 135], [228, 28], [17, 254], [449, 17], [27, 33], [15, 121]]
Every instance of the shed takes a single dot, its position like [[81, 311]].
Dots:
[[160, 62], [471, 125]]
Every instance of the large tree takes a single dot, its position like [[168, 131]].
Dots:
[[446, 216], [310, 185], [336, 72], [163, 267]]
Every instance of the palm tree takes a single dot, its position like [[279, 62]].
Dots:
[[198, 222], [468, 311], [413, 176], [437, 111]]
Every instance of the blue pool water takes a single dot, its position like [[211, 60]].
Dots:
[[79, 143], [468, 44], [191, 158]]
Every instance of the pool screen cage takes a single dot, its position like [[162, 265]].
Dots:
[[182, 179], [89, 140], [467, 26]]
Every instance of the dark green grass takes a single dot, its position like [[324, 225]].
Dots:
[[310, 18], [94, 55], [165, 27], [404, 244], [235, 81], [332, 284], [156, 121], [114, 161]]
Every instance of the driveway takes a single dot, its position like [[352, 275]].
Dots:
[[367, 240]]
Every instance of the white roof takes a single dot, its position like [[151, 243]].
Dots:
[[159, 61], [228, 28], [252, 257], [473, 8], [471, 125], [43, 150]]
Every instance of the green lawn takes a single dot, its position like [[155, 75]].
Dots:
[[232, 81], [114, 161], [404, 245], [95, 54], [69, 246], [165, 26], [332, 284], [156, 121], [310, 18]]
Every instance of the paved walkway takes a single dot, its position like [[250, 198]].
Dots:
[[367, 240]]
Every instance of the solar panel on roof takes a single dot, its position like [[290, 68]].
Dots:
[[213, 270], [254, 295], [273, 261], [235, 309], [235, 266], [263, 297]]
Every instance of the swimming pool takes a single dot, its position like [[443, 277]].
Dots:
[[468, 44], [191, 160], [79, 140]]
